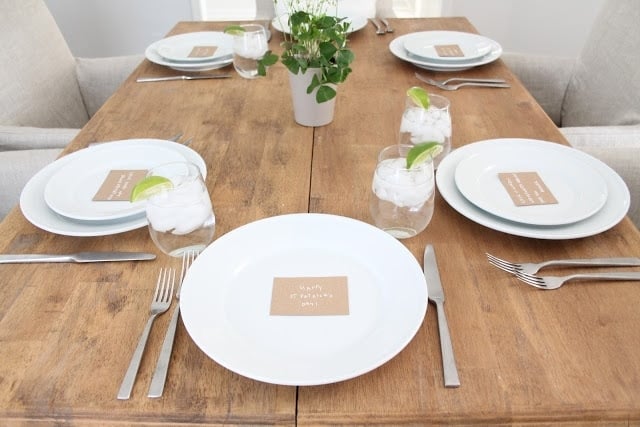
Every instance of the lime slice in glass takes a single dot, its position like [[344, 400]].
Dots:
[[234, 30], [422, 152], [419, 96], [149, 186]]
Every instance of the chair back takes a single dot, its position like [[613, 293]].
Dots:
[[38, 84]]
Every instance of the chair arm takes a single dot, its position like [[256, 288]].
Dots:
[[99, 78], [618, 147], [28, 138], [546, 78]]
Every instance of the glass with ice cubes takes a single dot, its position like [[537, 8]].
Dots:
[[180, 218], [402, 199], [432, 124], [249, 46]]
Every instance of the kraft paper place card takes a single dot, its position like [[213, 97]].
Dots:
[[202, 51], [526, 188], [449, 51], [310, 296], [118, 185]]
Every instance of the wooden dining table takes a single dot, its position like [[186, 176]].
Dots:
[[525, 356]]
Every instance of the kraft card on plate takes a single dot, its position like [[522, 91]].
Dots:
[[202, 51], [310, 296], [118, 184], [526, 188], [449, 51]]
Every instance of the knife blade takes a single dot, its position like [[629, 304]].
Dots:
[[164, 79], [80, 257], [436, 295]]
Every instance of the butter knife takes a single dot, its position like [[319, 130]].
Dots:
[[165, 79], [79, 257], [436, 295]]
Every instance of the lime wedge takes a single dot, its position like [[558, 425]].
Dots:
[[234, 30], [422, 152], [419, 96], [149, 186]]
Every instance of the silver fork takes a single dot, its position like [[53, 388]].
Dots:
[[499, 83], [379, 30], [160, 303], [553, 282], [388, 28], [162, 365], [533, 268]]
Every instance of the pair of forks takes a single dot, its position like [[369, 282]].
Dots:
[[379, 30], [526, 272], [160, 304], [462, 81]]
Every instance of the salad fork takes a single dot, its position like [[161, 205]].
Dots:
[[533, 268], [498, 83], [388, 29], [553, 282], [160, 303], [379, 30]]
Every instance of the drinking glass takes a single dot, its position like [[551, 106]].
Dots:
[[249, 46], [180, 218], [433, 124], [401, 200]]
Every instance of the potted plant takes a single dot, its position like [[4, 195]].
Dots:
[[317, 57]]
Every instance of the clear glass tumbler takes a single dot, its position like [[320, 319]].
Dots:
[[401, 200], [248, 48], [433, 124], [181, 218]]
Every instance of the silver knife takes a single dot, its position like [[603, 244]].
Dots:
[[77, 257], [436, 295], [164, 79]]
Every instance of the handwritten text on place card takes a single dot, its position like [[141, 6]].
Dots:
[[118, 184], [310, 296], [449, 51], [202, 51], [526, 188]]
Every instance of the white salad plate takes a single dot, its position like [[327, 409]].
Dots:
[[177, 43], [226, 296], [70, 190], [397, 48], [613, 211], [37, 212], [472, 46], [579, 189], [281, 23]]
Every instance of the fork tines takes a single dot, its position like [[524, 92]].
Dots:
[[531, 279], [509, 267]]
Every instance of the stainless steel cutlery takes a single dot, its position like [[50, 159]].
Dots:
[[80, 257], [169, 78], [463, 81]]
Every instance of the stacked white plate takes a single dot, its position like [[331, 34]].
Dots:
[[357, 22], [177, 52], [59, 198], [591, 197], [425, 50]]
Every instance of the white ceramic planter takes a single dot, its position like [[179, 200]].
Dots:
[[306, 110]]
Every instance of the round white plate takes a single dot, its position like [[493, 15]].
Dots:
[[226, 295], [281, 23], [71, 189], [423, 46], [397, 48], [612, 212], [578, 188], [36, 211], [222, 40], [181, 51]]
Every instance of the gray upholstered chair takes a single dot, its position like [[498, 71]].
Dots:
[[46, 95], [595, 98]]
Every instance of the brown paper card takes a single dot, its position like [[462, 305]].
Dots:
[[527, 188], [118, 185], [449, 51], [202, 51], [310, 296]]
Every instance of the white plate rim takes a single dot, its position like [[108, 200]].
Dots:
[[36, 211], [152, 54], [358, 22], [453, 37], [589, 180], [612, 212], [203, 305]]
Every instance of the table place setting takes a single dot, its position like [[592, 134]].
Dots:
[[192, 52], [445, 50]]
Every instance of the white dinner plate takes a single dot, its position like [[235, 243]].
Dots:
[[222, 58], [71, 189], [425, 46], [579, 189], [226, 295], [36, 211], [613, 211], [397, 48], [281, 23]]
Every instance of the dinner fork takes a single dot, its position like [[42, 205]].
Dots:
[[379, 30], [388, 28], [160, 303], [553, 282], [162, 365], [498, 83], [533, 268]]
